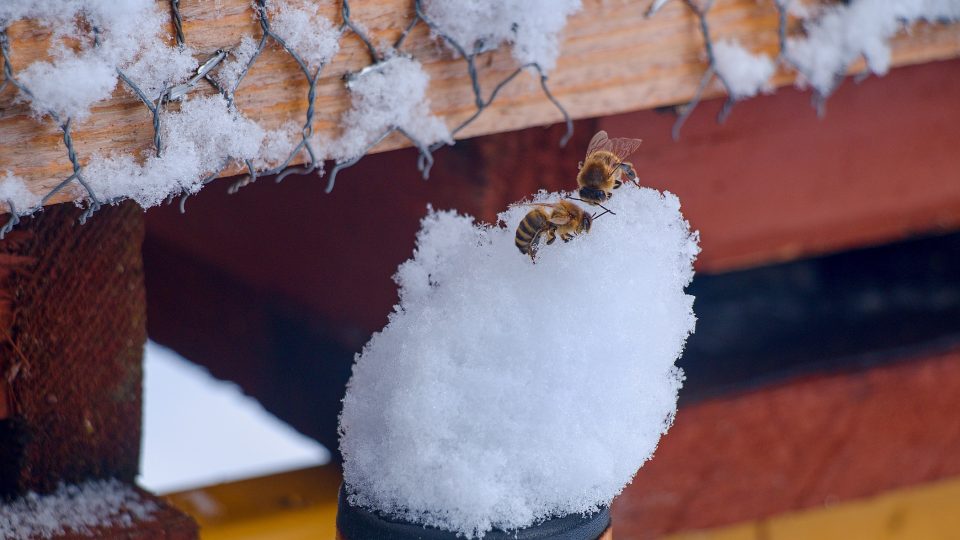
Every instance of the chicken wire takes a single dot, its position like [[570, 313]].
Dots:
[[285, 168]]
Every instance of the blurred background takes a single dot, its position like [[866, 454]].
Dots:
[[823, 381]]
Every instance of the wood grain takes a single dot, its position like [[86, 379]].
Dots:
[[612, 60]]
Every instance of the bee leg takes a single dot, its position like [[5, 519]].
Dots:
[[551, 236]]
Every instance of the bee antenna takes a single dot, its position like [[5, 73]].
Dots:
[[607, 209], [595, 216]]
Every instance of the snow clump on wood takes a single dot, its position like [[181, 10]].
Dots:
[[197, 140], [14, 190], [389, 94], [532, 27], [79, 509], [745, 74], [841, 33], [502, 392], [305, 31]]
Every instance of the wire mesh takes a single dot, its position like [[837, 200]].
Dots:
[[312, 162]]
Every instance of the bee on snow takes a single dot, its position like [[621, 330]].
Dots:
[[604, 168], [564, 219]]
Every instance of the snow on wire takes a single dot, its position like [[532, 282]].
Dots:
[[835, 35], [386, 68]]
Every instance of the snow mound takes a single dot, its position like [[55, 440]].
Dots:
[[504, 392]]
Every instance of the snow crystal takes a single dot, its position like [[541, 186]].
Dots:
[[74, 508], [744, 73], [503, 392], [13, 189], [305, 31], [228, 75], [531, 26], [843, 32], [392, 93], [196, 140]]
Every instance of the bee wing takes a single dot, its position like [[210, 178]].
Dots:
[[539, 204], [598, 142], [620, 147], [623, 148]]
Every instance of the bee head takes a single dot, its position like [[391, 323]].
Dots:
[[586, 223], [592, 195]]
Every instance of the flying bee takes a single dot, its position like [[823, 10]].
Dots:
[[564, 219], [604, 168]]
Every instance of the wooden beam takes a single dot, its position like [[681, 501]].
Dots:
[[613, 60]]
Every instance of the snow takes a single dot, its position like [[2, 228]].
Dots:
[[391, 93], [77, 508], [228, 74], [14, 189], [841, 33], [73, 81], [542, 387], [198, 430], [305, 31], [159, 66], [532, 27], [196, 140], [744, 73]]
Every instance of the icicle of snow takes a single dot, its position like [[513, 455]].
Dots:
[[196, 140], [744, 73], [543, 387], [531, 26], [842, 33], [14, 189], [74, 508], [392, 93], [309, 34]]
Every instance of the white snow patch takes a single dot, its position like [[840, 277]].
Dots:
[[745, 73], [14, 189], [195, 141], [228, 74], [532, 27], [305, 31], [842, 33], [277, 145], [392, 93], [159, 66], [503, 392], [74, 508], [75, 80]]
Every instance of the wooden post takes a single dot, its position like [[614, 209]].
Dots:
[[72, 330]]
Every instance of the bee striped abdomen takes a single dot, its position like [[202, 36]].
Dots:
[[529, 229]]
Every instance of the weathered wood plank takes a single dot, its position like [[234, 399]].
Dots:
[[613, 60]]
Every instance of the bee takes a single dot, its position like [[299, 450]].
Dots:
[[604, 168], [564, 219]]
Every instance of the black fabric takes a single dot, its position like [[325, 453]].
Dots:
[[359, 524]]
